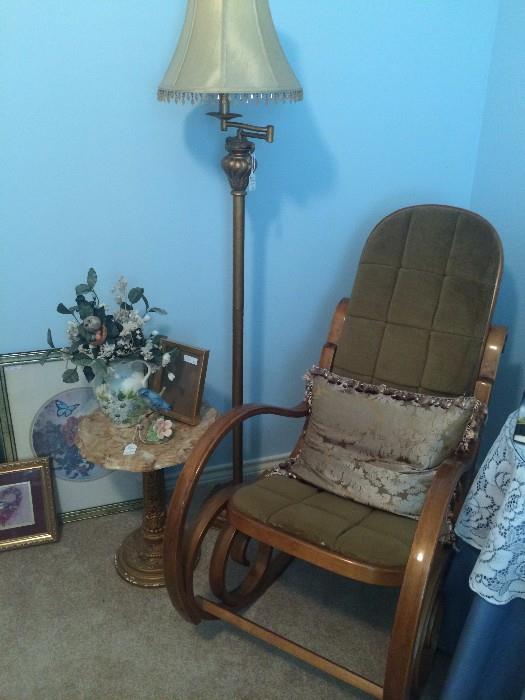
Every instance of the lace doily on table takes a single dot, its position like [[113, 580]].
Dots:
[[493, 520]]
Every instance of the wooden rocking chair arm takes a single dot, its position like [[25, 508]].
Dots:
[[425, 562], [221, 427], [494, 347], [437, 503], [235, 416], [248, 410]]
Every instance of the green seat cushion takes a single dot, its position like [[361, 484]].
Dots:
[[324, 519]]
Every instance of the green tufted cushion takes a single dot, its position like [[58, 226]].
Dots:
[[339, 524], [421, 301]]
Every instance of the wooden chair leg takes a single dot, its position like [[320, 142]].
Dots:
[[239, 549], [180, 560], [260, 575]]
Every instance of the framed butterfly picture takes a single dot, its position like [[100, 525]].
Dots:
[[39, 417], [27, 509]]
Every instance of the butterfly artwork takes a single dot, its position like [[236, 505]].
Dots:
[[64, 410], [54, 434]]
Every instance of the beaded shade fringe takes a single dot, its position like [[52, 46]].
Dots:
[[204, 97]]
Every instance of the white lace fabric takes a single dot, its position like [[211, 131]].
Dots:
[[493, 520]]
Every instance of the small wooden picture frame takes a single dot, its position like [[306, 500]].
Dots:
[[27, 507], [181, 382]]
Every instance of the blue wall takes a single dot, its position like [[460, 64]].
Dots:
[[97, 172], [499, 194]]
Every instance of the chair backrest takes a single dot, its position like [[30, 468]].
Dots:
[[422, 301]]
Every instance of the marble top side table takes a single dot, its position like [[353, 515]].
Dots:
[[139, 558]]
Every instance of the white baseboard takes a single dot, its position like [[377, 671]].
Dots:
[[221, 473]]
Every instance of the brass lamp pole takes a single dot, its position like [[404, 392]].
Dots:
[[238, 165], [229, 48]]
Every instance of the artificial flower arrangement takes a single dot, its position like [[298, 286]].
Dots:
[[101, 340]]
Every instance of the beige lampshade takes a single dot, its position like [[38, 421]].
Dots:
[[231, 47]]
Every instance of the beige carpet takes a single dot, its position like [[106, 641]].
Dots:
[[73, 630]]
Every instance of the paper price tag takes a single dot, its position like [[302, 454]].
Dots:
[[191, 360]]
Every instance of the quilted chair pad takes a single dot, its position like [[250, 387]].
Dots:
[[421, 301], [321, 518]]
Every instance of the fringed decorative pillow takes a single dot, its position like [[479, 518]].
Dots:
[[379, 445]]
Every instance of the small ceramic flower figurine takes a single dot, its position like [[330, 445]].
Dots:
[[160, 430], [113, 351]]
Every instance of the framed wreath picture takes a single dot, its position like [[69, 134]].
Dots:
[[39, 417], [27, 509], [181, 381]]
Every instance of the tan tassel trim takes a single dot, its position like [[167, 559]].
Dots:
[[204, 97], [347, 384]]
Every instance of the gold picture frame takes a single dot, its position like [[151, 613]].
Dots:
[[181, 382], [27, 506], [26, 386]]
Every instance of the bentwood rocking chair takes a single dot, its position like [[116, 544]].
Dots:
[[418, 321]]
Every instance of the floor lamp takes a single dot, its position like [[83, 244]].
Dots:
[[229, 49]]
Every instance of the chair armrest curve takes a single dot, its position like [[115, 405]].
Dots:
[[419, 572], [436, 505], [204, 448], [207, 444], [429, 528]]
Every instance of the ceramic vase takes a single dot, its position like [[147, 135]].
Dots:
[[117, 393]]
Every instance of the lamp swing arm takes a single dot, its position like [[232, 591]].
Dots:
[[253, 132], [265, 133]]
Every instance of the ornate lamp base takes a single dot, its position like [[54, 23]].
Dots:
[[139, 559]]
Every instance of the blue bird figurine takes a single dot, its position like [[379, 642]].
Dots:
[[154, 400]]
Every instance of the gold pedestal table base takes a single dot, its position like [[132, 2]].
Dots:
[[139, 558]]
